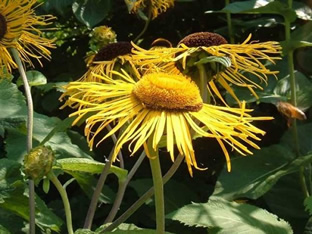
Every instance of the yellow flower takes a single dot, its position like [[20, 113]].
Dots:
[[159, 105], [111, 57], [156, 6], [245, 58], [18, 30]]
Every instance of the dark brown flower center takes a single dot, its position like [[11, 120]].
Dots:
[[203, 39], [3, 26], [113, 50]]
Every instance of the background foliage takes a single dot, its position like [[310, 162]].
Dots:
[[262, 194]]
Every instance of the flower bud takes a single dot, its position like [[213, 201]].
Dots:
[[38, 162]]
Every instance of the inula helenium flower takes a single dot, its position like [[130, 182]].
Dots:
[[111, 57], [159, 105], [156, 7], [223, 63], [18, 30]]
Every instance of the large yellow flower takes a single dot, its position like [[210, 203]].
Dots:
[[159, 105], [111, 57], [18, 30], [198, 48], [156, 6]]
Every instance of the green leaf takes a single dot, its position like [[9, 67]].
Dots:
[[253, 176], [225, 61], [230, 216], [14, 198], [35, 78], [3, 230], [261, 7], [12, 102], [11, 123], [125, 228], [61, 6], [308, 204], [303, 89], [91, 12], [88, 166]]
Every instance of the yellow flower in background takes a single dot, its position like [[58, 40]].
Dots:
[[159, 105], [156, 6], [18, 29], [111, 57], [198, 48]]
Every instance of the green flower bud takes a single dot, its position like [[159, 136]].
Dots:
[[38, 162]]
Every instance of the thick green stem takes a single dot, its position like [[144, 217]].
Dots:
[[229, 24], [144, 197], [292, 79], [65, 200], [158, 187], [30, 126], [122, 188]]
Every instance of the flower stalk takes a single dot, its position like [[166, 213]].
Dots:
[[65, 200], [158, 186], [30, 126], [229, 23], [292, 78], [145, 196]]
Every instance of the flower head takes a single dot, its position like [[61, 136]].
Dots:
[[18, 30], [110, 58], [224, 63], [159, 105], [156, 6]]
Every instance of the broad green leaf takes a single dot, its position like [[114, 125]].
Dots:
[[125, 228], [261, 7], [12, 102], [303, 89], [3, 230], [91, 12], [35, 78], [229, 217], [88, 166], [14, 199], [294, 44], [285, 199], [61, 6], [302, 10], [253, 176], [302, 33], [11, 222], [308, 204], [10, 123]]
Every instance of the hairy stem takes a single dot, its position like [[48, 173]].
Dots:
[[122, 188], [97, 192], [144, 197], [65, 200], [30, 126]]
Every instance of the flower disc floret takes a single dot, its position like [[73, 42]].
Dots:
[[3, 26], [203, 39], [113, 50], [160, 91]]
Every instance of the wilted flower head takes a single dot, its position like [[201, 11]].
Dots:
[[224, 63], [159, 105], [18, 29], [156, 7]]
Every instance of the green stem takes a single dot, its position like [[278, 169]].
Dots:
[[30, 126], [203, 81], [158, 187], [122, 188], [97, 192], [229, 23], [65, 200], [292, 79], [144, 197], [149, 17]]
